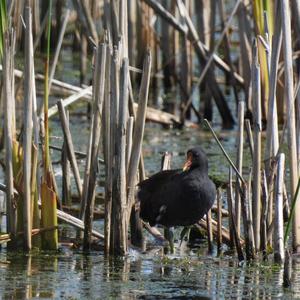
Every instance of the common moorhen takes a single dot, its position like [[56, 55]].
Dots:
[[178, 197]]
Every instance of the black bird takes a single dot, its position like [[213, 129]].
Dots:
[[178, 197]]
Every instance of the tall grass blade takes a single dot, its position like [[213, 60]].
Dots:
[[3, 21]]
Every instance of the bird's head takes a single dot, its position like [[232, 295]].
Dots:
[[196, 158]]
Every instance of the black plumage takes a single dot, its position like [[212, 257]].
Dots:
[[178, 197]]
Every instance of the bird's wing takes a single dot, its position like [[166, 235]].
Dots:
[[154, 192], [159, 179]]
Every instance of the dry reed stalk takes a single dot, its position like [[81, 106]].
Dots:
[[219, 224], [231, 225], [185, 69], [234, 238], [256, 195], [27, 141], [136, 158], [123, 27], [264, 219], [207, 71], [209, 232], [249, 137], [279, 223], [247, 212], [225, 232], [119, 225], [291, 134], [58, 47], [114, 111], [98, 94], [138, 132], [287, 269], [66, 178], [107, 156], [129, 133], [272, 140], [239, 163], [41, 30], [70, 146], [35, 171], [75, 92], [9, 132], [132, 31], [168, 232], [71, 99], [87, 170], [161, 11], [245, 48], [88, 19], [227, 50]]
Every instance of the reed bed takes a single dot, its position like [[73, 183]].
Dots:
[[130, 54]]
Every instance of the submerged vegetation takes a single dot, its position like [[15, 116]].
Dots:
[[135, 50]]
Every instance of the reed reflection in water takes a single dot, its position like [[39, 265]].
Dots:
[[141, 276]]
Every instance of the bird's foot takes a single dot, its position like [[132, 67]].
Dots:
[[185, 234], [169, 235]]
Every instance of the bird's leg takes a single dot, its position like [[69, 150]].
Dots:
[[185, 234], [169, 235]]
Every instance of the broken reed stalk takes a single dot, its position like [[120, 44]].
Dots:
[[120, 225], [235, 239], [239, 163], [87, 171], [248, 218], [27, 141], [256, 195], [209, 232], [97, 122], [249, 137], [9, 132], [291, 133], [219, 224], [69, 145], [58, 47], [138, 133], [66, 178], [279, 223]]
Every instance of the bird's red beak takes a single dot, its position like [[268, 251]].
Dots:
[[188, 162]]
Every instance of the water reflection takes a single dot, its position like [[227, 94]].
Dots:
[[141, 276]]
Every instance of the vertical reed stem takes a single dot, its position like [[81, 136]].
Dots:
[[98, 94], [291, 134], [278, 239], [239, 164], [256, 87], [27, 142]]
